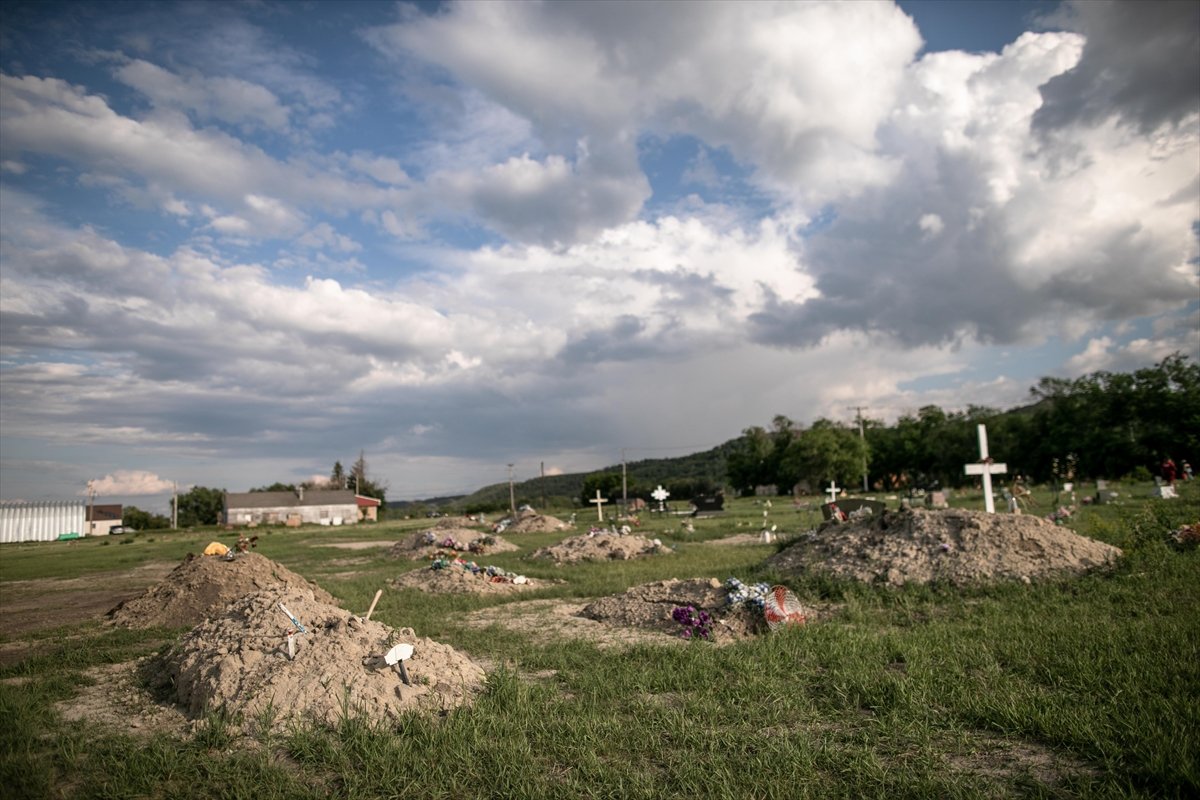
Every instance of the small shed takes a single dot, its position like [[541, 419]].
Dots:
[[311, 506], [368, 508], [101, 519]]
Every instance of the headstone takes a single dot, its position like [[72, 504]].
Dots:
[[709, 504], [599, 501], [987, 468], [834, 491], [1166, 492], [936, 500], [1101, 485], [851, 505]]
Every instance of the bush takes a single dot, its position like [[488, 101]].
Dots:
[[1140, 475]]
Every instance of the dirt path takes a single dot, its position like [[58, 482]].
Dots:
[[51, 602]]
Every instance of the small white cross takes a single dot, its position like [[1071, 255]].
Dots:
[[833, 491], [987, 468], [599, 501], [660, 494]]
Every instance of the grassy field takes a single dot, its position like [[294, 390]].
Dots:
[[1082, 688]]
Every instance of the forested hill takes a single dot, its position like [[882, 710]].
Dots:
[[682, 476], [1102, 425]]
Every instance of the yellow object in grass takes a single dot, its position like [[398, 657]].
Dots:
[[215, 549]]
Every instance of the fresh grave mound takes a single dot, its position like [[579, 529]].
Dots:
[[954, 546], [533, 522], [434, 543], [456, 576], [728, 611], [202, 586], [601, 546], [240, 661]]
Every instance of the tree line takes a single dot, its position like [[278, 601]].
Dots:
[[1104, 425]]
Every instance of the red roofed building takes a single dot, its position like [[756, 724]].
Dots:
[[368, 508]]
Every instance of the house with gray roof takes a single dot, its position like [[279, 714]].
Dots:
[[301, 507]]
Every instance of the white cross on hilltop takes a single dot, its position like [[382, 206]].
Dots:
[[599, 501], [987, 468], [833, 490]]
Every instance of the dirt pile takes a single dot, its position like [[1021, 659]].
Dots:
[[533, 522], [651, 606], [601, 547], [240, 661], [202, 586], [435, 543], [447, 576], [954, 546]]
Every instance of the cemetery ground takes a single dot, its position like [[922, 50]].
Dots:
[[1082, 687]]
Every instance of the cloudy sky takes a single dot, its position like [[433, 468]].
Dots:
[[242, 241]]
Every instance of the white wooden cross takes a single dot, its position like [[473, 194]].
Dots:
[[660, 494], [599, 501], [987, 468], [833, 490]]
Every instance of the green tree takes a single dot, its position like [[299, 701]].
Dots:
[[276, 487], [749, 461], [140, 520], [608, 483], [337, 477], [201, 506], [826, 451]]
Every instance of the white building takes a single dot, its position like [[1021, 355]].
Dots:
[[311, 507], [41, 522]]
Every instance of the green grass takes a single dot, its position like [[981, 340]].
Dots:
[[1082, 688]]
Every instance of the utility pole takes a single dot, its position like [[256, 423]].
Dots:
[[624, 485], [91, 509], [174, 505], [512, 498], [543, 487], [862, 435]]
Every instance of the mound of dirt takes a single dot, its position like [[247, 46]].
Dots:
[[650, 606], [954, 546], [240, 661], [601, 547], [532, 522], [418, 546], [456, 577], [202, 586]]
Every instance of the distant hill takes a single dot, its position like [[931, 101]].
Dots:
[[677, 474], [438, 502]]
